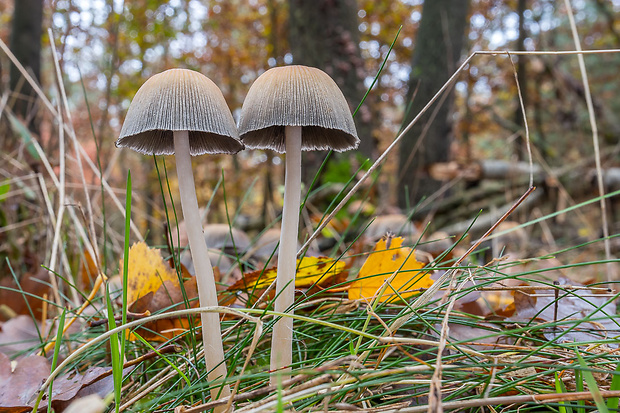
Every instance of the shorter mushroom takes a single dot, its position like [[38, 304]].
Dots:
[[183, 112], [290, 109]]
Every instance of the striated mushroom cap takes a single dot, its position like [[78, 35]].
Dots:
[[175, 100], [297, 96]]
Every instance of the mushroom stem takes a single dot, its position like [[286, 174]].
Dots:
[[207, 295], [282, 338]]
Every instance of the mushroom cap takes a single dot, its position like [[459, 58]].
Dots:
[[179, 100], [219, 236], [297, 96]]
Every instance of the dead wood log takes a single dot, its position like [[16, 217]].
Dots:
[[484, 221], [495, 169]]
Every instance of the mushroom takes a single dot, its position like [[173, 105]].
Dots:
[[290, 109], [182, 112]]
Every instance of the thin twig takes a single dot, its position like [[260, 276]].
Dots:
[[383, 156], [597, 154], [525, 124], [546, 53], [59, 215], [76, 144], [33, 83], [434, 399], [98, 281], [517, 400]]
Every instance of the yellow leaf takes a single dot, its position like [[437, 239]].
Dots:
[[310, 271], [387, 258], [316, 270], [147, 272]]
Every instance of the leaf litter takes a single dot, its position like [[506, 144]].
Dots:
[[20, 382], [578, 314], [154, 287]]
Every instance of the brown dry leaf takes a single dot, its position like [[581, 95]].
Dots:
[[389, 256], [147, 271], [88, 270], [17, 335], [168, 297], [34, 285], [20, 384], [153, 286]]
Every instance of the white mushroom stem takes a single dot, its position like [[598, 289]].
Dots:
[[282, 338], [207, 295]]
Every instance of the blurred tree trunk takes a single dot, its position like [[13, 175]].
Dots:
[[25, 44], [325, 34], [437, 51]]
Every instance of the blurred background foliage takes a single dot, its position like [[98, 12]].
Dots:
[[114, 46]]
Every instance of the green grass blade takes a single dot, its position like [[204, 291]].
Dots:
[[591, 382], [374, 81], [560, 388], [61, 327], [171, 364], [612, 403], [117, 363]]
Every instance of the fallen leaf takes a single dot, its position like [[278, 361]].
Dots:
[[481, 336], [389, 256], [569, 308], [91, 404], [168, 297], [147, 271], [17, 335], [88, 270], [310, 271], [34, 287], [494, 304], [19, 384]]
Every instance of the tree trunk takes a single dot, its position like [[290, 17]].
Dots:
[[437, 51], [25, 44], [325, 34]]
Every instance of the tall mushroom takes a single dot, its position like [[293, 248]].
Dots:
[[182, 112], [290, 109]]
